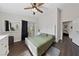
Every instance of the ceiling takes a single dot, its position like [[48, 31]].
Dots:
[[18, 8]]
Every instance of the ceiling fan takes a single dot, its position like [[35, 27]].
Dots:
[[35, 6]]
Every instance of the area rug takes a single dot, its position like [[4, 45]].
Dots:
[[53, 52]]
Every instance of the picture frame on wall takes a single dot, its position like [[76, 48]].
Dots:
[[11, 26]]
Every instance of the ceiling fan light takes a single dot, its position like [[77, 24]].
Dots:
[[34, 10]]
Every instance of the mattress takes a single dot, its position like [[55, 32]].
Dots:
[[42, 42]]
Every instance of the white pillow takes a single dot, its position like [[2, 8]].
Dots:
[[38, 33]]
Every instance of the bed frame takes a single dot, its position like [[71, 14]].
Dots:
[[31, 47]]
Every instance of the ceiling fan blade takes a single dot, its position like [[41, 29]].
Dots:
[[28, 8], [40, 4], [39, 10]]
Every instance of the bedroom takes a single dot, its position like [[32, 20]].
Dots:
[[49, 22]]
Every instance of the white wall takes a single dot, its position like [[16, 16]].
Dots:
[[70, 11], [0, 26], [75, 32], [47, 21], [14, 19]]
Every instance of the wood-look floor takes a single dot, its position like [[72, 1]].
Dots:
[[19, 49], [66, 46]]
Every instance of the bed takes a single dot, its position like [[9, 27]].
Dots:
[[39, 44]]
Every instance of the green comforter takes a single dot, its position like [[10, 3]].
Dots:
[[42, 42]]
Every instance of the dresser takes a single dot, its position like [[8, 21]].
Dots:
[[4, 49]]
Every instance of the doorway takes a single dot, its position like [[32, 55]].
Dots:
[[24, 33], [67, 28]]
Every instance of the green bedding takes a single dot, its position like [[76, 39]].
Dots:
[[42, 42]]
